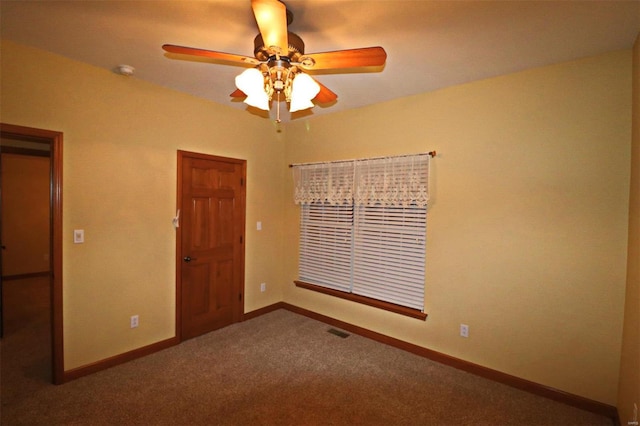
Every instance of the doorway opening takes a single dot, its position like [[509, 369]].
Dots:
[[43, 286]]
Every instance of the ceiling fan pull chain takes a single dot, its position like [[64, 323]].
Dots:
[[278, 108]]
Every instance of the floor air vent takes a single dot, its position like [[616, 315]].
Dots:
[[338, 333]]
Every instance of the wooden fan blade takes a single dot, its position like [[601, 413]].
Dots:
[[271, 16], [229, 57], [352, 58], [325, 95], [238, 94]]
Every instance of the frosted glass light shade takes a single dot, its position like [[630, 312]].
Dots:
[[251, 82], [304, 88]]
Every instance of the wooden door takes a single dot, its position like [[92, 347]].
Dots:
[[211, 198]]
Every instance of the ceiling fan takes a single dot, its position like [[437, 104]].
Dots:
[[280, 63]]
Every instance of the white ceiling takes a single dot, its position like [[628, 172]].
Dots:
[[430, 44]]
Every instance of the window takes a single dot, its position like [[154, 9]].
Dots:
[[363, 228]]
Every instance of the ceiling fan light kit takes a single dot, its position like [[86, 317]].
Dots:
[[251, 83], [304, 89], [280, 62], [298, 88]]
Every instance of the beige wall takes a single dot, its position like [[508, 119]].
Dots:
[[527, 239], [25, 214], [527, 225], [119, 185], [629, 390]]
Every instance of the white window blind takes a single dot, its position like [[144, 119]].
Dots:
[[363, 227], [326, 238], [389, 254]]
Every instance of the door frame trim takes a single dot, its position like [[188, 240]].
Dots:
[[54, 139], [238, 316]]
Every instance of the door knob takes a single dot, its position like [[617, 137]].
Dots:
[[188, 259]]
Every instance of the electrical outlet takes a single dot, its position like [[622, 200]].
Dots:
[[263, 287], [134, 321], [464, 330]]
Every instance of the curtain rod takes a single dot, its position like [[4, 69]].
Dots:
[[430, 153]]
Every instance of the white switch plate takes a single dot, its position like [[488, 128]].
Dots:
[[263, 286], [78, 236], [259, 226]]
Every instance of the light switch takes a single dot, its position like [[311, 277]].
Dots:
[[259, 226], [78, 236]]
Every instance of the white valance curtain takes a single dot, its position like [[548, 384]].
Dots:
[[389, 181], [324, 182]]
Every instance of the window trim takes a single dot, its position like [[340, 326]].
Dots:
[[387, 306]]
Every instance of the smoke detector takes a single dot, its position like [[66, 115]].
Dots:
[[126, 70]]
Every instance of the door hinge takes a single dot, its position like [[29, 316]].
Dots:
[[241, 181], [240, 297], [240, 239]]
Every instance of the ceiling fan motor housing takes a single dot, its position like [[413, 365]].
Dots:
[[296, 48]]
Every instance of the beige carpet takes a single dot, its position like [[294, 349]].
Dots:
[[277, 369]]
